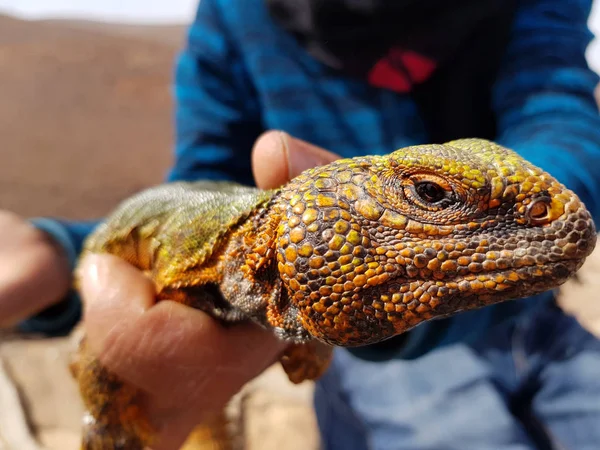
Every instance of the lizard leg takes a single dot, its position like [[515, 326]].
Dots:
[[306, 361], [115, 421], [115, 418]]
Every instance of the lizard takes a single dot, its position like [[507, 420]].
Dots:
[[346, 254]]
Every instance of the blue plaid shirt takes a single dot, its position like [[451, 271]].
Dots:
[[241, 74]]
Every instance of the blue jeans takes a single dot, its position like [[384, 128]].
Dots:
[[530, 383]]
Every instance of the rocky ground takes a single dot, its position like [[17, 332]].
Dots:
[[85, 120]]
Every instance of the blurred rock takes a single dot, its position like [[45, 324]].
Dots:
[[277, 414], [39, 368], [580, 296]]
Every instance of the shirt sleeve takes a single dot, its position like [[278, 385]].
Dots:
[[217, 113], [544, 95], [217, 121]]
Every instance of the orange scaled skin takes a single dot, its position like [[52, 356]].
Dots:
[[346, 254]]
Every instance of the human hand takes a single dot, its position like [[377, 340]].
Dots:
[[187, 364], [277, 158], [34, 270]]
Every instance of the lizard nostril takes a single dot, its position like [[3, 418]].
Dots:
[[539, 212]]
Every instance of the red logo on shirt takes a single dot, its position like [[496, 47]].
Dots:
[[400, 70]]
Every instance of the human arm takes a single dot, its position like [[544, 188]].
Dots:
[[216, 125]]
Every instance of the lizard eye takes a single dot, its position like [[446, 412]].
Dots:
[[430, 192]]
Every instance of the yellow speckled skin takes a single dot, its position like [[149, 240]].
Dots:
[[346, 254], [364, 258]]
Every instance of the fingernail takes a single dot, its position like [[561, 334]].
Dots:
[[300, 156], [92, 274]]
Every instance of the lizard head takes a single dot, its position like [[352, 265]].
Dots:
[[370, 247]]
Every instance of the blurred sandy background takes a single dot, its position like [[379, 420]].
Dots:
[[85, 121]]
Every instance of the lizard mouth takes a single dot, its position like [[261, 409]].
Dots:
[[527, 279], [465, 292]]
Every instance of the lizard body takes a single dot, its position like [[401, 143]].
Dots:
[[346, 254]]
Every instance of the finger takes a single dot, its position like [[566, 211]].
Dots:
[[22, 292], [115, 294], [184, 357], [277, 157], [188, 363]]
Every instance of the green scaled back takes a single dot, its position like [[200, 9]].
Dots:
[[179, 224]]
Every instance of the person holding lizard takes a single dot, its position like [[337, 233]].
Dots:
[[354, 78]]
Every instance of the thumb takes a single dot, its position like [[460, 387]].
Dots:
[[277, 157]]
